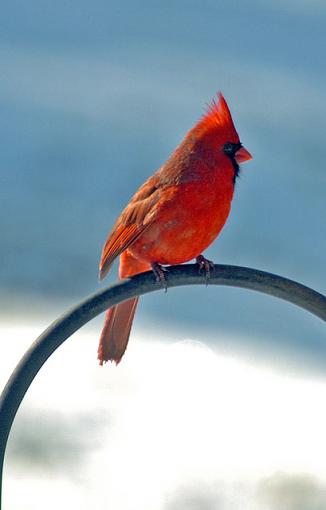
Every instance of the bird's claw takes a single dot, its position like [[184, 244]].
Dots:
[[159, 271], [206, 265]]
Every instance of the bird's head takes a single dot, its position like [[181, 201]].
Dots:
[[216, 132]]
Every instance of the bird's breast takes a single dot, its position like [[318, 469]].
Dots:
[[185, 222]]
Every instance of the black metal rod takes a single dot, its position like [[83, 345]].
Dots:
[[138, 285]]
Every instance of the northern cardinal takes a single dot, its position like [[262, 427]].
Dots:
[[174, 216]]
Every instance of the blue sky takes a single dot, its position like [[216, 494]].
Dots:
[[95, 97]]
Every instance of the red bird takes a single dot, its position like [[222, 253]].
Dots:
[[174, 216]]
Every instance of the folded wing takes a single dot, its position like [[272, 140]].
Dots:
[[137, 216]]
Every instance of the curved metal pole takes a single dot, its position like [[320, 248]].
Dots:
[[138, 285]]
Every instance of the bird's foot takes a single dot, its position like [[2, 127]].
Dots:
[[206, 265], [159, 271]]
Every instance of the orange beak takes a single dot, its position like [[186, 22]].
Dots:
[[242, 155]]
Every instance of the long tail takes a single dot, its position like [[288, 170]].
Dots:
[[118, 319], [116, 331]]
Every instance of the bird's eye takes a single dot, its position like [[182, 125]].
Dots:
[[228, 148], [231, 148]]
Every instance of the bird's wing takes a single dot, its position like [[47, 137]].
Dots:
[[130, 225]]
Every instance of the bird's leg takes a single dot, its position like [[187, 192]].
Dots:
[[206, 265], [159, 271]]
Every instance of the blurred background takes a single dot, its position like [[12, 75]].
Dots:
[[94, 97]]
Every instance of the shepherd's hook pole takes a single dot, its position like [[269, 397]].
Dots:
[[138, 285]]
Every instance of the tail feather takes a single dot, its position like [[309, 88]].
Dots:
[[116, 331]]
